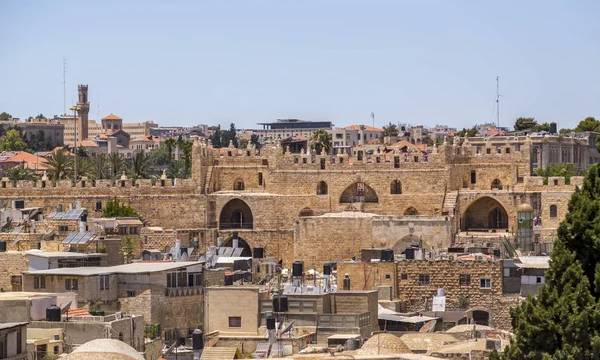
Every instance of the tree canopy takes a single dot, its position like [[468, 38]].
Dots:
[[321, 140], [530, 124], [114, 209], [467, 132], [12, 141], [563, 320], [390, 130]]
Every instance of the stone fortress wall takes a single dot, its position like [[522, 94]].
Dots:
[[288, 203]]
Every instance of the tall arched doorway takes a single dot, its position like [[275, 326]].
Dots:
[[359, 192], [484, 214], [236, 214]]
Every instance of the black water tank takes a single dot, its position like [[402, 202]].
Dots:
[[553, 128], [229, 279], [270, 323], [2, 246], [197, 341], [280, 303], [346, 282], [387, 255], [53, 313], [297, 268], [327, 269], [258, 253]]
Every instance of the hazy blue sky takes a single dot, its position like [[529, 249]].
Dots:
[[183, 63]]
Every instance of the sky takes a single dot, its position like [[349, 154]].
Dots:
[[182, 63]]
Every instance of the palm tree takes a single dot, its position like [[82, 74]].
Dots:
[[140, 164], [321, 139], [59, 165], [100, 167], [116, 161]]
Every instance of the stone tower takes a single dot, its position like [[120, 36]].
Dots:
[[83, 110]]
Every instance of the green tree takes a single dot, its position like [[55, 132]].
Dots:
[[390, 130], [563, 321], [186, 156], [19, 172], [229, 136], [588, 124], [100, 167], [562, 170], [12, 141], [59, 165], [467, 132], [4, 116], [140, 164], [255, 140], [115, 209], [321, 139], [116, 162], [525, 123], [215, 138], [170, 144]]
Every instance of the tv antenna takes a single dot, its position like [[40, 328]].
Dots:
[[64, 85], [498, 101], [373, 118]]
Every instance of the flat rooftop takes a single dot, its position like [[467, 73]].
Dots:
[[133, 268]]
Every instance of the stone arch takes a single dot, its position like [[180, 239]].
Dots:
[[410, 211], [479, 316], [306, 212], [484, 214], [396, 187], [238, 184], [241, 243], [496, 184], [408, 241], [322, 188], [236, 214], [359, 192]]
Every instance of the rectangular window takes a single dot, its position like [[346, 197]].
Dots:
[[103, 282], [130, 293], [396, 161], [485, 283], [260, 179], [473, 177], [98, 205], [71, 284], [404, 276], [488, 151], [19, 204], [63, 228], [464, 279], [39, 282], [235, 321], [423, 279]]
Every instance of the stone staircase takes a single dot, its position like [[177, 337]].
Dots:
[[449, 205]]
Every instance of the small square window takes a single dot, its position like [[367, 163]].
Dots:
[[485, 283], [424, 279], [404, 276], [235, 321], [388, 276], [464, 279]]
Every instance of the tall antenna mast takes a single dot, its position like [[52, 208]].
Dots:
[[64, 85], [498, 101], [373, 118]]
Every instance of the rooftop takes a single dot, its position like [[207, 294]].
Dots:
[[5, 326], [61, 254], [133, 268]]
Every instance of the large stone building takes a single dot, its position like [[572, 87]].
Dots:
[[319, 207]]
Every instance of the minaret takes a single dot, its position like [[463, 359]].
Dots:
[[83, 110]]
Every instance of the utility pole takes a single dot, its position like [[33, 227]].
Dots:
[[498, 101], [373, 118]]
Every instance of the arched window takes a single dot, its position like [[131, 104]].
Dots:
[[322, 188], [236, 214], [359, 192], [553, 211], [306, 212], [238, 184], [411, 211], [496, 184], [396, 187]]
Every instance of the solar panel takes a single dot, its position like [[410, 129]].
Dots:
[[82, 237], [73, 214], [237, 252]]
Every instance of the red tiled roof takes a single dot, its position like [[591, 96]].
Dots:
[[28, 160], [112, 116]]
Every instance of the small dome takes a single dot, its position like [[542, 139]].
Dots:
[[384, 343], [524, 208]]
